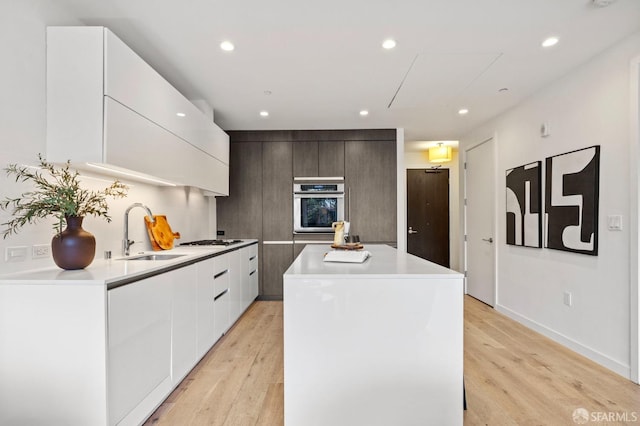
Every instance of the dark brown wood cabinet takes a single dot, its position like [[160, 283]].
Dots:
[[260, 204], [370, 185], [276, 258], [238, 215], [331, 159], [305, 158], [277, 191], [318, 158]]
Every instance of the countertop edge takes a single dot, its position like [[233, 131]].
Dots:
[[194, 255]]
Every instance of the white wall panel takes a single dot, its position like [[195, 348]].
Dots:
[[589, 106]]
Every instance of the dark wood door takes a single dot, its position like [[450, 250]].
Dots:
[[428, 214]]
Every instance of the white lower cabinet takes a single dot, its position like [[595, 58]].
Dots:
[[205, 307], [236, 307], [221, 298], [184, 323], [249, 275], [160, 327], [139, 361], [94, 355]]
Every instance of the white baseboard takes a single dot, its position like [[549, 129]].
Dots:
[[593, 355]]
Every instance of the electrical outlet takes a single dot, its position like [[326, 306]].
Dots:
[[567, 298], [15, 254], [40, 251]]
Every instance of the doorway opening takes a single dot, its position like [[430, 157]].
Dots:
[[428, 215]]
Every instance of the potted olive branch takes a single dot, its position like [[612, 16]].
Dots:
[[59, 195]]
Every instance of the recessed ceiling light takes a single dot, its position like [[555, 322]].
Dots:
[[551, 41], [364, 112], [463, 111], [264, 113], [227, 46], [389, 43], [181, 114]]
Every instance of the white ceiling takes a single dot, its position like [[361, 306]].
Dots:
[[323, 62]]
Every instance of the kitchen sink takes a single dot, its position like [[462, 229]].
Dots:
[[154, 257]]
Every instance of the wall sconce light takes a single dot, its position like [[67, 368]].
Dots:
[[440, 154]]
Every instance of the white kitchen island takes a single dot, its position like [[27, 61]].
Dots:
[[377, 343]]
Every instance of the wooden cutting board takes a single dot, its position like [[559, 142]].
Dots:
[[160, 233]]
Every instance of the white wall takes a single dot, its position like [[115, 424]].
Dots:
[[589, 106], [23, 136], [420, 160]]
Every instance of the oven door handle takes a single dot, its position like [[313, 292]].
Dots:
[[316, 194]]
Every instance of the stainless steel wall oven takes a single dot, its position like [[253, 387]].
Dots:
[[316, 205]]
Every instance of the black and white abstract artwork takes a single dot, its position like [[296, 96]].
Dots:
[[524, 205], [571, 201]]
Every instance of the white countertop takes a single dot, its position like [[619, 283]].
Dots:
[[384, 262], [115, 270]]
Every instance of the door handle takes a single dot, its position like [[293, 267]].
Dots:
[[489, 240], [412, 231]]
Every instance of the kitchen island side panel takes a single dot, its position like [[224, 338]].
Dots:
[[374, 351], [53, 354]]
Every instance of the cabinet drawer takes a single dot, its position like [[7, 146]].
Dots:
[[250, 255], [252, 263], [221, 313], [221, 275], [221, 282], [220, 263]]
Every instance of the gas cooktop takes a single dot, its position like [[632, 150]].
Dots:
[[211, 243]]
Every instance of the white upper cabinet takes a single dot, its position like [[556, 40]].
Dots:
[[106, 105]]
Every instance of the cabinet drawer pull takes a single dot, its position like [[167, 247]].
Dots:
[[251, 258], [221, 294], [252, 272], [219, 274]]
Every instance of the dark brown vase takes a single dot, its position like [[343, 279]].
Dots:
[[73, 248]]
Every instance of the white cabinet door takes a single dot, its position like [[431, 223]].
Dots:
[[222, 304], [75, 68], [235, 285], [184, 354], [205, 308], [136, 143], [139, 318], [132, 82], [87, 69]]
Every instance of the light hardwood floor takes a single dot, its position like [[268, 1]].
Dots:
[[513, 376]]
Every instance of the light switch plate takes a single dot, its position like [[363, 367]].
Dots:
[[614, 222], [15, 254]]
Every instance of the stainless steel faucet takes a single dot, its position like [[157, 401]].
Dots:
[[127, 243]]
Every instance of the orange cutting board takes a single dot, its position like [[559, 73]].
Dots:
[[160, 233]]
